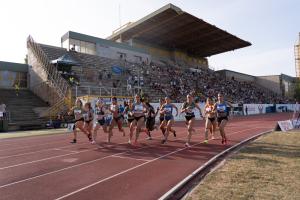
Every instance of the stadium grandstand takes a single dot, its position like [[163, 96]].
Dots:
[[164, 53]]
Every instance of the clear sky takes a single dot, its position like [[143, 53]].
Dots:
[[272, 26]]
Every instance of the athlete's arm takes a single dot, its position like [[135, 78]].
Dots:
[[182, 110], [200, 111]]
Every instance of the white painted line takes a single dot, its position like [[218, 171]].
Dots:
[[131, 158], [63, 169], [26, 147], [60, 170], [49, 158], [48, 149], [58, 149], [135, 167], [213, 159]]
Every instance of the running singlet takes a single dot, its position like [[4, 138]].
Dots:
[[128, 110], [77, 113], [115, 108], [88, 115], [222, 109], [209, 108], [190, 108], [168, 108], [138, 108], [100, 113]]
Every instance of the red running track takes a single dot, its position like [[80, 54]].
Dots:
[[49, 167]]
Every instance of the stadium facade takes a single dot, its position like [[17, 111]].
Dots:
[[166, 35], [168, 40]]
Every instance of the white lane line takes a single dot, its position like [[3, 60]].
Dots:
[[131, 158], [48, 149], [135, 167], [49, 158], [70, 167], [35, 145], [66, 168], [195, 172], [41, 175], [58, 149]]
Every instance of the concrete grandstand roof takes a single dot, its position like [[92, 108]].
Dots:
[[173, 28]]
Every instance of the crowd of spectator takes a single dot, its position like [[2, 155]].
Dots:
[[177, 82]]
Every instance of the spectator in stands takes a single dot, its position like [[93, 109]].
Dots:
[[17, 88]]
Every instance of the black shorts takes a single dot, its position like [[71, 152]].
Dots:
[[138, 118], [220, 119], [189, 117], [212, 120], [88, 122], [130, 120], [168, 118], [150, 122], [161, 119], [101, 122]]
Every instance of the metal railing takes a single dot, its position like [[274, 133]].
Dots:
[[54, 84], [102, 91], [55, 78]]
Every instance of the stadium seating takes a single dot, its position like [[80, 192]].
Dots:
[[159, 80], [23, 111]]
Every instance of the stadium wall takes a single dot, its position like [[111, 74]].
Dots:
[[236, 75], [272, 83], [13, 73], [167, 55]]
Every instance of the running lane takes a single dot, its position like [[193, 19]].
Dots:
[[119, 171]]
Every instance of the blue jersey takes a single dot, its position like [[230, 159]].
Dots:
[[168, 108], [222, 109]]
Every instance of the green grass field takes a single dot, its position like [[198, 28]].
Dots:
[[268, 168]]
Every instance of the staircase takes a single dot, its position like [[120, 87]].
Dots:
[[21, 109], [54, 81]]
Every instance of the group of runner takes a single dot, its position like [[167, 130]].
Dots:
[[141, 113]]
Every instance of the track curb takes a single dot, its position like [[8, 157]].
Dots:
[[189, 182]]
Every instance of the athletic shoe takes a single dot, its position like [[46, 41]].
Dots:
[[129, 141], [174, 133], [93, 142], [163, 141], [187, 145], [223, 141], [149, 138], [213, 137], [90, 137], [74, 141], [205, 142]]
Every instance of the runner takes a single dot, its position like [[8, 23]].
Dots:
[[222, 115], [139, 109], [162, 117], [130, 118], [88, 116], [100, 117], [116, 118], [150, 118], [188, 108], [167, 110], [211, 122], [77, 110]]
